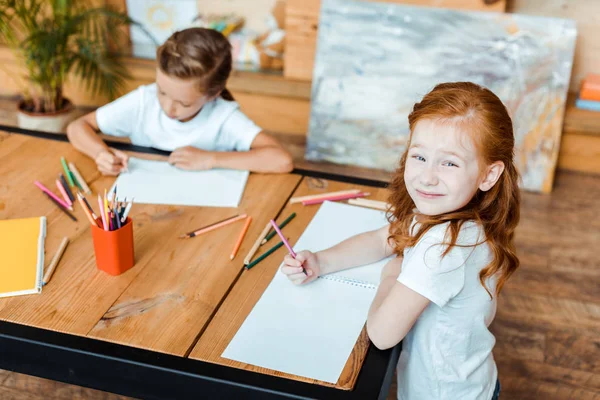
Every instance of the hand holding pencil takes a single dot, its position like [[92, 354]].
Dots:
[[305, 261]]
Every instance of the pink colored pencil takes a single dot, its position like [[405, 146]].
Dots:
[[285, 242], [55, 197], [102, 213], [335, 198], [62, 191]]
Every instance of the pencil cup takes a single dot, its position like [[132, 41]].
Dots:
[[114, 249]]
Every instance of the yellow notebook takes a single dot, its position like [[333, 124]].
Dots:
[[21, 255]]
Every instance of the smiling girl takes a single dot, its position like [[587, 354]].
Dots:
[[187, 111], [455, 203]]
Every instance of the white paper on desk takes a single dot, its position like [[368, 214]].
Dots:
[[157, 182], [311, 330]]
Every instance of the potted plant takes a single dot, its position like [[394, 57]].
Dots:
[[56, 39]]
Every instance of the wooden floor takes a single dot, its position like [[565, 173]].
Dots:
[[548, 321]]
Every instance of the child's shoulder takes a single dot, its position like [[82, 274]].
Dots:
[[471, 234]]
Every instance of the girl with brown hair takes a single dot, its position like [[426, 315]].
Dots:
[[187, 111], [454, 208]]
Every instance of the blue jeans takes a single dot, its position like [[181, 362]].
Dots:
[[496, 394]]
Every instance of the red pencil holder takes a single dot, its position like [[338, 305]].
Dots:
[[114, 249]]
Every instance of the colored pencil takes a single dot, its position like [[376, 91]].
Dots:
[[84, 186], [378, 205], [55, 197], [285, 242], [318, 196], [66, 186], [240, 238], [67, 171], [212, 226], [335, 198], [102, 213], [264, 255], [273, 233], [55, 260], [86, 210], [126, 212], [62, 208], [106, 209], [89, 207], [64, 194], [257, 244]]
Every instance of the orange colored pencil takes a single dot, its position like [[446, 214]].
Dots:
[[86, 210], [212, 227], [241, 238]]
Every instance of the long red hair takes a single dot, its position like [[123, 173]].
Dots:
[[482, 114]]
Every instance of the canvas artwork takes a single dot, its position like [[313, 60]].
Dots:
[[160, 18], [375, 60]]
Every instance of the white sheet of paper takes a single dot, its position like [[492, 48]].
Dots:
[[311, 330], [157, 182]]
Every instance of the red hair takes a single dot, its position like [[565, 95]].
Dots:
[[480, 113]]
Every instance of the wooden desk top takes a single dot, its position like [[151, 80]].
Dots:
[[252, 283], [183, 297], [164, 302]]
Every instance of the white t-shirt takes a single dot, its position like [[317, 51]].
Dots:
[[219, 126], [448, 352]]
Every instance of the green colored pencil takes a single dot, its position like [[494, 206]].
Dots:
[[273, 233], [67, 172], [265, 255]]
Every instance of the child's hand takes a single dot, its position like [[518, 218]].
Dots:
[[293, 267], [111, 161], [192, 158]]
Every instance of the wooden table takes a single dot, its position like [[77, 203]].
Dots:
[[156, 331]]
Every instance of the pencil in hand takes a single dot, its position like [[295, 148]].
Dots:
[[286, 243], [273, 233]]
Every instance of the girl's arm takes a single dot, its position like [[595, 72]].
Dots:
[[394, 310], [362, 249], [82, 133], [265, 155]]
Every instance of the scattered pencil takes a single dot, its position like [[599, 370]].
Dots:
[[67, 172], [49, 193], [300, 199], [238, 243], [214, 226], [55, 260], [61, 207], [335, 198], [80, 180], [66, 186], [62, 191], [273, 233], [264, 255], [378, 205], [257, 244]]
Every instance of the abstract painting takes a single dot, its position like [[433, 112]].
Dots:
[[375, 60]]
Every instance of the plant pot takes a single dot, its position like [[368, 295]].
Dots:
[[48, 122]]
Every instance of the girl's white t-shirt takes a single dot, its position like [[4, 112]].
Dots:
[[219, 126], [448, 352]]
